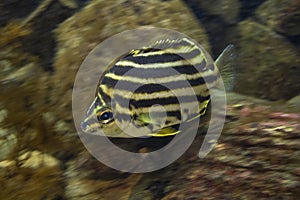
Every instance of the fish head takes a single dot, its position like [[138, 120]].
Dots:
[[99, 120]]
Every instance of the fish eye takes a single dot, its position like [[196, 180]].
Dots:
[[105, 116]]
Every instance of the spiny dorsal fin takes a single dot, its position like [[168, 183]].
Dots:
[[168, 43]]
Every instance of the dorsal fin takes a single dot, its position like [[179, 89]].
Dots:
[[168, 43]]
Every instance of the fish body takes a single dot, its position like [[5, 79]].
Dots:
[[152, 90]]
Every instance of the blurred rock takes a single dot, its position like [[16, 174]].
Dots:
[[36, 159], [228, 10], [249, 7], [221, 28], [257, 157], [3, 114], [295, 103], [87, 178], [21, 75], [17, 182], [8, 142], [281, 15], [7, 163], [101, 19], [268, 65]]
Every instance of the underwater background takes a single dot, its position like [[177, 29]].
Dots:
[[42, 45]]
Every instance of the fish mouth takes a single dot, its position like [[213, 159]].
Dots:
[[86, 128], [92, 129], [83, 126]]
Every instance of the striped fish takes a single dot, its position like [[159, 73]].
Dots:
[[152, 90]]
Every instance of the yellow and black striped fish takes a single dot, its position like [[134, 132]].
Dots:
[[152, 90]]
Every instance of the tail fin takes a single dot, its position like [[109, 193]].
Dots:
[[226, 62]]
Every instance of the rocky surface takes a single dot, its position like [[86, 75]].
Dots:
[[36, 159], [266, 36], [281, 15], [228, 10], [219, 18], [87, 178], [41, 41], [8, 142], [34, 176], [256, 157], [268, 64]]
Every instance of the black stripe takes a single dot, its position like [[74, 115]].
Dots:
[[124, 117], [153, 87], [123, 102], [168, 101], [211, 67], [174, 114], [105, 97], [163, 58], [158, 72]]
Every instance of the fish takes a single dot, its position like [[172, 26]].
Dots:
[[150, 91]]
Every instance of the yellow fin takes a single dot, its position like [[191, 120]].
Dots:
[[202, 110], [135, 52], [167, 131]]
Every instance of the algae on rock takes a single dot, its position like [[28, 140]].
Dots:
[[26, 183], [24, 96], [268, 64], [228, 10], [281, 15]]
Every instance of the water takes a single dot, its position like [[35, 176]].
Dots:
[[41, 155]]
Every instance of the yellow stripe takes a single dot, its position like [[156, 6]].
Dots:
[[193, 61], [192, 107], [172, 120], [100, 98], [164, 94], [180, 50], [180, 77]]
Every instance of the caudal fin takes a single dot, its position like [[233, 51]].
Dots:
[[226, 65]]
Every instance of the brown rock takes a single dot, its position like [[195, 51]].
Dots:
[[268, 64], [281, 15], [92, 180], [251, 164], [227, 9], [43, 182]]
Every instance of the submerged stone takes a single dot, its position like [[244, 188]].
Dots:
[[281, 15], [228, 10], [8, 142], [268, 65], [36, 159]]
